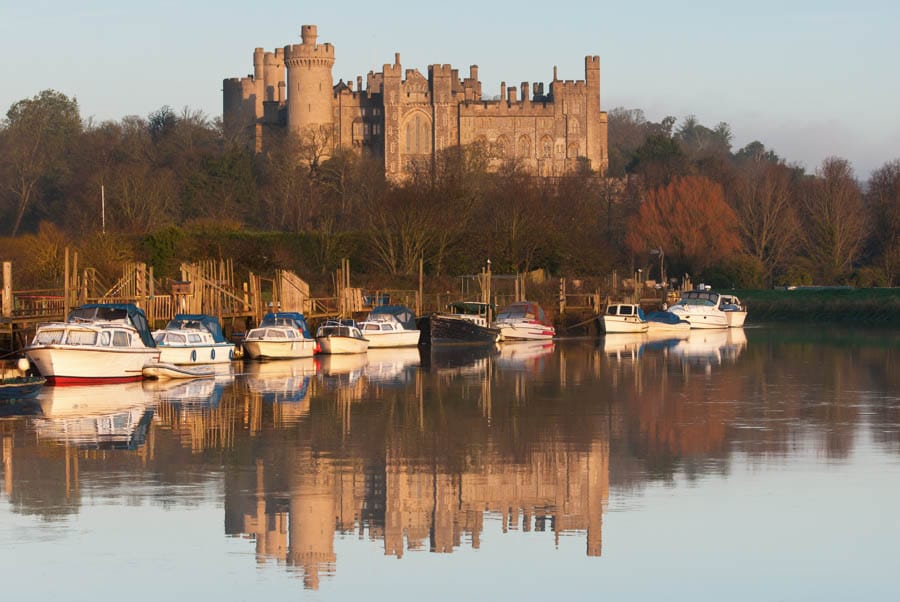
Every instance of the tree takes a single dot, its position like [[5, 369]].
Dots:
[[37, 135], [763, 199], [883, 199], [834, 221], [659, 160], [689, 221]]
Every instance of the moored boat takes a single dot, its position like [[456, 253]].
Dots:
[[337, 337], [98, 343], [193, 339], [704, 308], [280, 335], [390, 326], [163, 370], [523, 321], [467, 323], [624, 318], [16, 382]]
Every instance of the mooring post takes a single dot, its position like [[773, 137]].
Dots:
[[66, 284], [7, 308]]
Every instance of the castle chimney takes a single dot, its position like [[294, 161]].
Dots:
[[554, 72], [511, 94], [473, 72], [359, 83], [502, 90], [397, 58], [524, 91]]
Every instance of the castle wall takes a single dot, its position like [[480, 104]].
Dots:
[[408, 118]]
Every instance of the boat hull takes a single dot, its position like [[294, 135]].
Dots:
[[703, 319], [400, 338], [448, 330], [279, 350], [735, 318], [526, 332], [342, 345], [221, 353], [623, 324], [21, 388], [65, 364], [162, 370]]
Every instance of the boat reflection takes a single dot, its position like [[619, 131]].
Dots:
[[624, 346], [461, 359], [113, 416], [11, 408], [524, 355], [707, 348], [282, 381], [395, 365], [194, 393]]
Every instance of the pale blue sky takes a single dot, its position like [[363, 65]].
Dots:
[[809, 78]]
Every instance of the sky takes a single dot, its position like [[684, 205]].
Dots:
[[808, 78]]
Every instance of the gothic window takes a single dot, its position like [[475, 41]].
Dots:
[[524, 147], [503, 147], [573, 125], [573, 150], [546, 147], [418, 135]]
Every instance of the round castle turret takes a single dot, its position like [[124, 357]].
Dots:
[[309, 82]]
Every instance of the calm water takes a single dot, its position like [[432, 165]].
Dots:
[[761, 464]]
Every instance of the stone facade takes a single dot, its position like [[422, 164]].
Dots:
[[403, 117]]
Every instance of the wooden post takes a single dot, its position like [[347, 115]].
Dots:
[[420, 298], [490, 317], [66, 283], [562, 296], [7, 308], [151, 300]]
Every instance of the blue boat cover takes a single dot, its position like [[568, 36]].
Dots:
[[403, 314], [93, 312], [210, 323], [665, 317], [273, 319]]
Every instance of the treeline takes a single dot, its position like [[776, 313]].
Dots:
[[676, 198]]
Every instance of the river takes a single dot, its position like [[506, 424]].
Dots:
[[749, 464]]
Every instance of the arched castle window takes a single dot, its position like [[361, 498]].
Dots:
[[502, 147], [418, 135], [573, 150], [524, 147], [573, 125], [546, 147]]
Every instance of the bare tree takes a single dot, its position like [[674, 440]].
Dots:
[[763, 199], [883, 198], [834, 220]]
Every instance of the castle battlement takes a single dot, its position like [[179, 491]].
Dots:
[[403, 116]]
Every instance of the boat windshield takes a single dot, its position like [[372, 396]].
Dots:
[[521, 311], [699, 298]]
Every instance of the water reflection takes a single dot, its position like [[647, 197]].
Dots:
[[431, 453], [113, 416]]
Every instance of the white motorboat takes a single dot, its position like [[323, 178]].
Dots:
[[390, 326], [280, 335], [524, 321], [664, 322], [624, 318], [98, 342], [735, 311], [704, 308], [335, 337], [193, 339]]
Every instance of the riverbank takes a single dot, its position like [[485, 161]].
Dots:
[[874, 306]]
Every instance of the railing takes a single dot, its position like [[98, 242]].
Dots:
[[38, 304]]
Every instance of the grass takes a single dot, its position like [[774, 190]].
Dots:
[[836, 305]]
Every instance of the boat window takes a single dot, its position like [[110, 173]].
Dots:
[[194, 338], [104, 338], [176, 338], [612, 310], [275, 334], [625, 310], [121, 339], [48, 337], [291, 334], [81, 337], [386, 326], [370, 326]]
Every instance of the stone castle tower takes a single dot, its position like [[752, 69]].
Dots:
[[405, 118]]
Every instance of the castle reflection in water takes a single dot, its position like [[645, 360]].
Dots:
[[417, 451]]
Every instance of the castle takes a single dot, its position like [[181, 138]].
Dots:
[[406, 118]]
